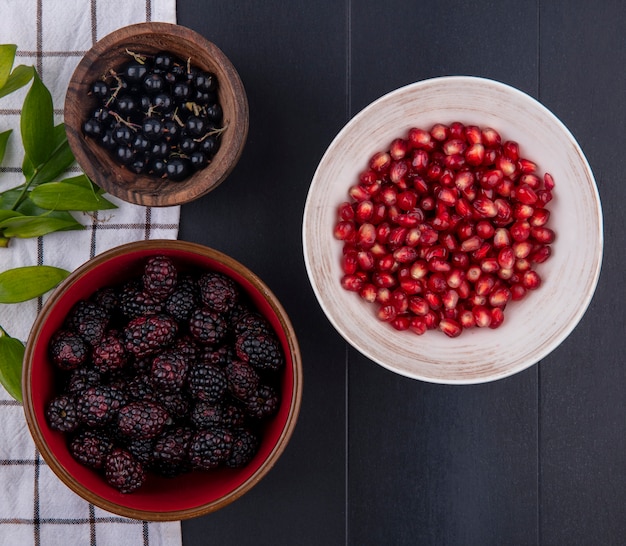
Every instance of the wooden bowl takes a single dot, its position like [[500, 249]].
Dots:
[[110, 53], [159, 499]]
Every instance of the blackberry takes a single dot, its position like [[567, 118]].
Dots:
[[263, 403], [206, 415], [261, 350], [243, 380], [142, 419], [82, 379], [171, 450], [218, 292], [107, 297], [252, 321], [176, 403], [123, 471], [210, 448], [134, 302], [159, 277], [89, 320], [109, 354], [207, 382], [233, 415], [168, 372], [90, 447], [99, 405], [62, 414], [220, 356], [245, 446], [141, 449], [149, 334], [139, 387], [68, 350], [207, 327], [181, 303], [187, 348]]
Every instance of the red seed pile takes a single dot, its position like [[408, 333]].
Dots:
[[445, 228]]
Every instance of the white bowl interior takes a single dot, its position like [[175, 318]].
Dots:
[[534, 326]]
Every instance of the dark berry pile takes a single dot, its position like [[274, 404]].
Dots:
[[169, 372], [157, 115]]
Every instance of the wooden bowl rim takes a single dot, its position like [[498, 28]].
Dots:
[[264, 468], [150, 191]]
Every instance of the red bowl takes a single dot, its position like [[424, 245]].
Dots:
[[159, 499]]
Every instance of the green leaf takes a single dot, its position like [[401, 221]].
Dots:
[[36, 226], [68, 196], [25, 283], [4, 214], [4, 138], [20, 76], [37, 123], [59, 161], [7, 56], [11, 358]]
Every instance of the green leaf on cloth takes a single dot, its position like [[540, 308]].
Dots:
[[11, 357], [18, 78], [7, 56], [4, 138], [37, 123], [25, 283], [68, 195]]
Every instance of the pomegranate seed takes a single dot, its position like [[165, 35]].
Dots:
[[364, 211], [405, 254], [411, 286], [460, 260], [517, 292], [427, 203], [401, 322], [419, 138], [473, 134], [418, 306], [527, 166], [368, 292], [531, 280], [485, 207], [544, 197], [382, 232], [380, 162], [548, 182], [501, 238], [466, 319], [384, 279], [437, 251], [367, 178], [453, 146], [434, 171], [530, 180], [482, 316], [506, 273], [491, 154], [457, 130], [345, 230], [471, 244], [366, 236], [520, 230], [349, 264], [396, 237], [507, 166], [448, 196], [407, 200], [482, 252], [417, 325], [491, 137], [419, 269], [449, 242], [439, 264], [378, 250], [398, 171], [475, 154], [484, 285], [433, 300], [522, 249], [431, 319], [540, 255], [497, 317], [450, 299], [398, 148], [359, 193], [540, 217], [353, 283], [386, 313], [437, 282], [506, 257], [522, 211], [388, 196], [400, 301], [464, 290], [428, 236], [345, 211], [510, 149], [500, 297], [542, 235], [525, 194], [489, 265], [383, 295], [491, 179], [473, 273], [440, 132], [403, 273], [385, 263], [454, 278], [450, 327], [419, 161], [505, 188], [365, 260], [485, 229]]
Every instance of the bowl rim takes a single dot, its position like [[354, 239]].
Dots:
[[277, 450], [184, 193], [459, 80]]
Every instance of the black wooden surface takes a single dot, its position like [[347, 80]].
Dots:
[[536, 459]]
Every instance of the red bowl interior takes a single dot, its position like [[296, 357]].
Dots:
[[160, 498]]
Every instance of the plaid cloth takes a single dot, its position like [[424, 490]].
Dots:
[[35, 506]]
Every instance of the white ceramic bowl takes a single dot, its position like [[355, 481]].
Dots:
[[534, 326]]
